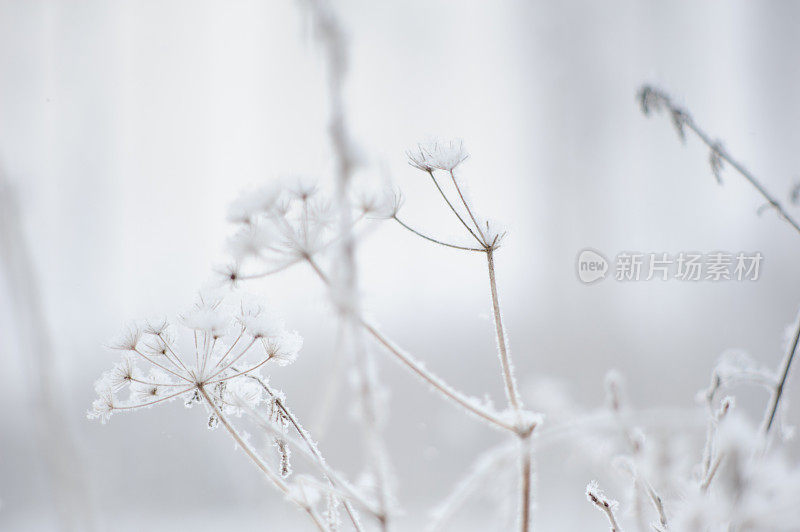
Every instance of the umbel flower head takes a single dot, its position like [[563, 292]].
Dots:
[[209, 356], [283, 223], [438, 155]]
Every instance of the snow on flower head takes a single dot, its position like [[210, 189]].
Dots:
[[260, 322], [252, 203], [243, 394], [128, 340], [285, 347], [438, 155], [302, 187], [208, 317], [121, 374], [103, 406], [205, 361], [251, 240]]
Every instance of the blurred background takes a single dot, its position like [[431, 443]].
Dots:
[[126, 128]]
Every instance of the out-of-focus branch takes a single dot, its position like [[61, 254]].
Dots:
[[65, 466], [778, 390], [332, 40]]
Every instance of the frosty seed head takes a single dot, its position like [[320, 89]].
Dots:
[[259, 322], [156, 326], [128, 340], [252, 203], [214, 358], [438, 155]]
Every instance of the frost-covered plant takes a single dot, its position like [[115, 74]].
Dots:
[[212, 355]]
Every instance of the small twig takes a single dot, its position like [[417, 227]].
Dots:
[[603, 503], [271, 475], [653, 99], [447, 200], [778, 391], [512, 391], [435, 241], [466, 206], [418, 369]]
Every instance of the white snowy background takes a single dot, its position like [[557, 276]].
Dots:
[[127, 127]]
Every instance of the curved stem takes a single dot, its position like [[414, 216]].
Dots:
[[426, 237], [466, 206], [271, 475], [460, 219], [330, 474], [650, 96], [418, 369]]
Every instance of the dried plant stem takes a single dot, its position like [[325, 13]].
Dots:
[[332, 41], [712, 471], [437, 384], [525, 488], [512, 392], [331, 475], [778, 390], [466, 206], [609, 514], [270, 474], [435, 241], [655, 99], [418, 369], [447, 200]]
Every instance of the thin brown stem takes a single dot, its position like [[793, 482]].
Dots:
[[711, 473], [447, 200], [330, 474], [237, 357], [417, 368], [435, 241], [169, 348], [436, 383], [240, 373], [230, 349], [652, 98], [512, 392], [525, 491], [153, 362], [466, 206], [778, 391], [156, 384], [150, 403], [271, 475]]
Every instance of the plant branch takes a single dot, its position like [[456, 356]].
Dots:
[[525, 488], [426, 237], [460, 219], [512, 391], [778, 390], [271, 475], [466, 206], [653, 99], [315, 453]]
